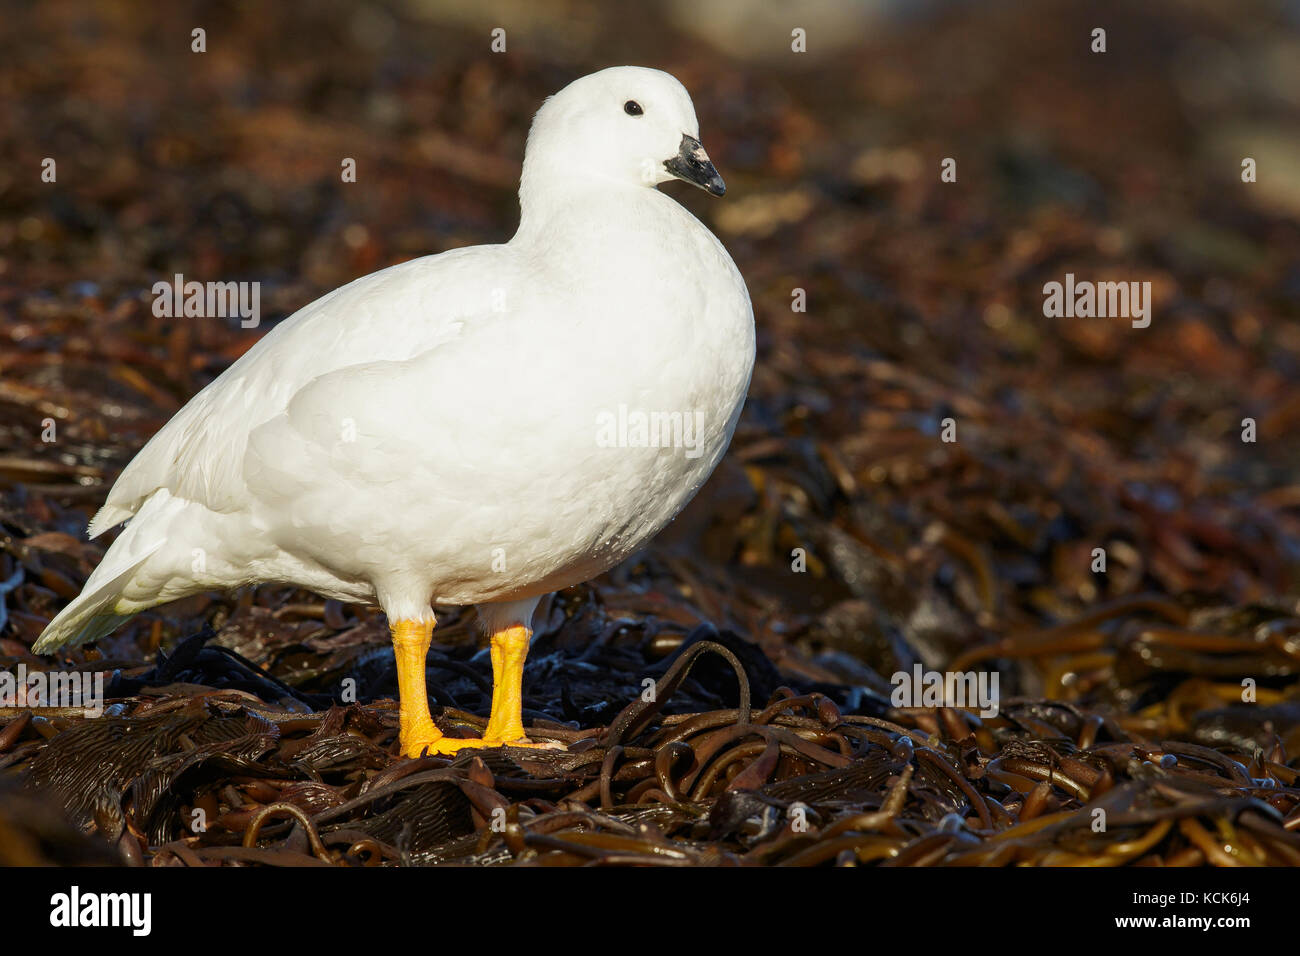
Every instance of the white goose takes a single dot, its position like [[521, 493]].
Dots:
[[479, 427]]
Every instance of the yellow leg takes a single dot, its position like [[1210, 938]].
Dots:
[[411, 648], [505, 726], [509, 650]]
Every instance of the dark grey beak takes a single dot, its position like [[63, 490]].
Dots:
[[691, 164]]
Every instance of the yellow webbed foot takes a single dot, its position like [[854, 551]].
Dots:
[[418, 745]]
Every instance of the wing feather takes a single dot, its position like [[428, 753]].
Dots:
[[390, 315]]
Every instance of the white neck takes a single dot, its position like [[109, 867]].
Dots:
[[548, 196]]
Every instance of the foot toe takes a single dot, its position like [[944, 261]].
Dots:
[[423, 745]]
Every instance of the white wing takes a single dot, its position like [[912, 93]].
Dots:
[[390, 315]]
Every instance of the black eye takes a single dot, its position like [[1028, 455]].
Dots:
[[632, 108]]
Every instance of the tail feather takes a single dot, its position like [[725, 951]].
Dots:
[[91, 614], [98, 609]]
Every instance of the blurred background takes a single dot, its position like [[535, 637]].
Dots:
[[924, 302]]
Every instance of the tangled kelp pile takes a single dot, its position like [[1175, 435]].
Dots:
[[841, 542], [186, 774]]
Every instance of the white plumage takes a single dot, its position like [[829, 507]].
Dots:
[[430, 432]]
